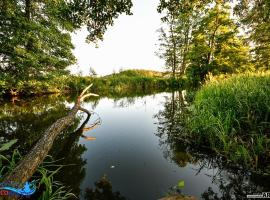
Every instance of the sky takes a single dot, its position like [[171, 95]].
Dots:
[[130, 43]]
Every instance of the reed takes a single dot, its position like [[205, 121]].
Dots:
[[231, 115]]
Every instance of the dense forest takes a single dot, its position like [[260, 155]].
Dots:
[[217, 37], [224, 47], [198, 37], [216, 52]]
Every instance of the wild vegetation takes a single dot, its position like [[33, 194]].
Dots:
[[214, 36], [36, 35], [219, 47], [120, 83], [43, 178], [228, 42], [231, 117]]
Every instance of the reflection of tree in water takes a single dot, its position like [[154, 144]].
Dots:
[[94, 102], [233, 183], [169, 127], [27, 120], [236, 184], [67, 148], [69, 151], [103, 191], [124, 102]]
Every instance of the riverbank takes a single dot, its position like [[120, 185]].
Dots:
[[231, 116], [119, 83]]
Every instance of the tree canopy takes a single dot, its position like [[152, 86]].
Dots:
[[255, 18], [217, 36], [35, 34]]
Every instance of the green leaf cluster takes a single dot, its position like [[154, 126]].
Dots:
[[35, 35], [214, 36]]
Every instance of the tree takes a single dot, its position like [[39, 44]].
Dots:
[[28, 165], [201, 37], [35, 34], [255, 16], [169, 38], [92, 72], [180, 17], [168, 49], [216, 46]]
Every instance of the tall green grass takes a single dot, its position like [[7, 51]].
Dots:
[[53, 190], [231, 116]]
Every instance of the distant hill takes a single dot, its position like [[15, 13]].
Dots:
[[139, 73]]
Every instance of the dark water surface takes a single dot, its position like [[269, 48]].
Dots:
[[136, 151], [128, 151]]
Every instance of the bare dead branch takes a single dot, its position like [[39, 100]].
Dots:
[[88, 87]]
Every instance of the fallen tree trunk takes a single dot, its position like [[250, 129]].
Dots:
[[29, 164], [72, 138]]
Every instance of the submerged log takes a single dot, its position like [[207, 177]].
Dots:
[[29, 164]]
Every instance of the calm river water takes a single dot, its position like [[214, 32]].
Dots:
[[135, 155]]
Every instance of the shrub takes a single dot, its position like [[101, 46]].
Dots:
[[123, 82]]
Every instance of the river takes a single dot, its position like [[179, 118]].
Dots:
[[134, 153]]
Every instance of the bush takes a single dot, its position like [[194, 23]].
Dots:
[[232, 116], [135, 81]]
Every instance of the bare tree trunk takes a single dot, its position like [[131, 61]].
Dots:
[[174, 54], [29, 164], [186, 49], [28, 9]]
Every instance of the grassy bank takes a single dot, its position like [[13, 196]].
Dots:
[[232, 117], [122, 82]]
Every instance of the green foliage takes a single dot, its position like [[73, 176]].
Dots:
[[130, 81], [169, 49], [139, 73], [202, 37], [215, 47], [125, 81], [175, 36], [255, 19], [53, 189], [35, 35], [8, 163], [232, 116], [6, 146], [103, 190]]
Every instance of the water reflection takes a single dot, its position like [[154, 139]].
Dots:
[[26, 120], [233, 183], [170, 126], [125, 102], [69, 151], [127, 141], [102, 191]]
